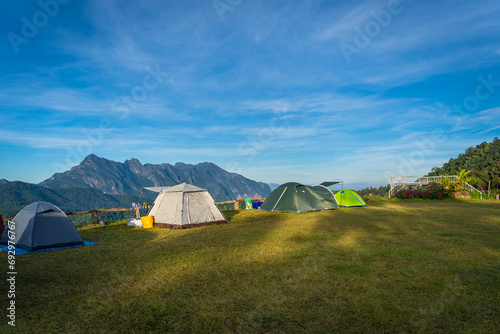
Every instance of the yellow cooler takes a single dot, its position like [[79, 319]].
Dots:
[[147, 222]]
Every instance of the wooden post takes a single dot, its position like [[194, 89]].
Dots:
[[137, 213], [236, 205], [497, 196], [96, 218]]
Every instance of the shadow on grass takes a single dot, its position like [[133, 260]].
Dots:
[[357, 270], [128, 280]]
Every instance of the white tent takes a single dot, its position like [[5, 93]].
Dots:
[[185, 206]]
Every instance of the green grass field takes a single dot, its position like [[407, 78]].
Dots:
[[394, 267]]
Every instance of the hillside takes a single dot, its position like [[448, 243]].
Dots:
[[483, 161], [129, 177], [16, 195]]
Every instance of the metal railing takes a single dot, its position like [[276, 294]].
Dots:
[[416, 180], [467, 185], [399, 182]]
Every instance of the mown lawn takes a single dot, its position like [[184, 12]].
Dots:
[[394, 267]]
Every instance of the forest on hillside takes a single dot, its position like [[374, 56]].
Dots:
[[382, 191], [484, 163], [16, 195]]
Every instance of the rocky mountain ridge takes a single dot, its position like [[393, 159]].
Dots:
[[127, 178]]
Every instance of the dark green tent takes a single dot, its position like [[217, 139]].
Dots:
[[296, 197], [325, 193]]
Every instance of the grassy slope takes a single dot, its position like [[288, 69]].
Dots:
[[392, 267]]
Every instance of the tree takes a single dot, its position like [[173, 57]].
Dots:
[[458, 183], [483, 162]]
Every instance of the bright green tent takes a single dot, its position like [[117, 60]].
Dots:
[[296, 197], [348, 198]]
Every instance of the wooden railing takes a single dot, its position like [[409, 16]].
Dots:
[[93, 213], [98, 210], [96, 218], [238, 201]]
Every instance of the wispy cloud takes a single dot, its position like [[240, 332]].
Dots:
[[270, 77]]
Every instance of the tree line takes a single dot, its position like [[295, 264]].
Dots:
[[483, 161]]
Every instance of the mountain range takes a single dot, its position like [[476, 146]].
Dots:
[[101, 183], [127, 178]]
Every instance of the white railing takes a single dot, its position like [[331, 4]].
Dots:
[[395, 188], [416, 180], [399, 182], [472, 188]]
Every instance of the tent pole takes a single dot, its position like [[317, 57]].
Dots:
[[182, 209], [139, 201], [279, 199], [140, 196]]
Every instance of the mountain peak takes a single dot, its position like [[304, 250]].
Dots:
[[132, 161], [91, 158], [3, 181], [180, 164]]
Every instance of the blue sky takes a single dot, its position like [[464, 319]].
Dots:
[[278, 91]]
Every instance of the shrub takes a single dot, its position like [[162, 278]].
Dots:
[[457, 184], [475, 195], [431, 192], [375, 198]]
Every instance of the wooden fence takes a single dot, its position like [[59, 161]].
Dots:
[[238, 201], [96, 218]]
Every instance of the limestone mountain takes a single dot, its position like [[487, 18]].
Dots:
[[129, 177]]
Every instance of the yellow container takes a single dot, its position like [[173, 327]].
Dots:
[[147, 222]]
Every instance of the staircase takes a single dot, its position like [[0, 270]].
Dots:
[[395, 188], [474, 189]]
